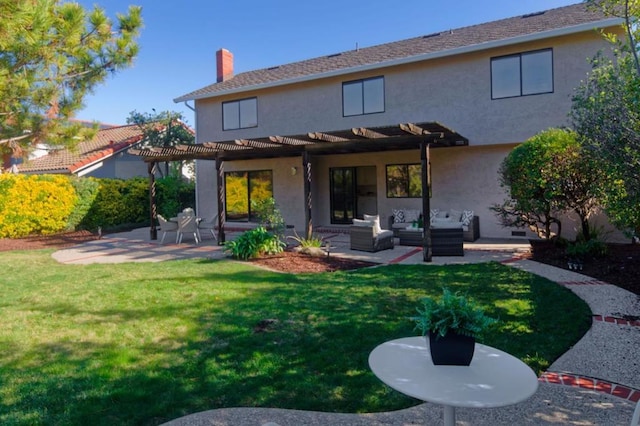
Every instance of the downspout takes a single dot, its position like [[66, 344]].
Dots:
[[189, 106]]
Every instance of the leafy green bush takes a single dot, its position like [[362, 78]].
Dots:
[[86, 192], [254, 243], [546, 177], [118, 202], [586, 249], [268, 213], [173, 195]]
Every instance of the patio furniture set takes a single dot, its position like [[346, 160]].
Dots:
[[186, 222], [449, 229]]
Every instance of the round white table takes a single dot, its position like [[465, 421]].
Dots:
[[494, 378]]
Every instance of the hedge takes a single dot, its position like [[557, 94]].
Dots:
[[37, 204], [47, 204]]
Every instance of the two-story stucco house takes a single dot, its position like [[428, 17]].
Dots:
[[339, 136]]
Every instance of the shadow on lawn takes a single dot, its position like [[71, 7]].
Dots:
[[291, 341]]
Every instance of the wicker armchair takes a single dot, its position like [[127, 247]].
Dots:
[[363, 238]]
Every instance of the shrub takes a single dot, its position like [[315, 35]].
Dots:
[[86, 192], [545, 177], [254, 243], [34, 204], [312, 241], [173, 195], [583, 250], [267, 212], [118, 202]]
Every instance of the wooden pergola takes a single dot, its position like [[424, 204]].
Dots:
[[403, 136]]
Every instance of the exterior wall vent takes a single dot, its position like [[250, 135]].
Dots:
[[518, 233]]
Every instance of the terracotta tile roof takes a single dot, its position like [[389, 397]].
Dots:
[[107, 142], [446, 41]]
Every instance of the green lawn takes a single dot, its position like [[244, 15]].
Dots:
[[148, 342]]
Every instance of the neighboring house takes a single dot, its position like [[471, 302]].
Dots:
[[497, 84], [105, 156]]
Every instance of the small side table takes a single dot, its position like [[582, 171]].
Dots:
[[494, 378]]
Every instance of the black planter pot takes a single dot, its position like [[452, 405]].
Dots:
[[452, 349]]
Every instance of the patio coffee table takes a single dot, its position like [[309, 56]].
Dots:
[[444, 241], [493, 379], [410, 237]]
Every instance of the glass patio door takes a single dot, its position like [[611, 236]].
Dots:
[[343, 195]]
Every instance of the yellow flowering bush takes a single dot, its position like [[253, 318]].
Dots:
[[34, 204]]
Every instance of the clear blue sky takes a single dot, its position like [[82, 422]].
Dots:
[[180, 38]]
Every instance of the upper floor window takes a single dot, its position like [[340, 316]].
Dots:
[[240, 114], [528, 73], [363, 96]]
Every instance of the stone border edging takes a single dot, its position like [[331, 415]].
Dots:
[[591, 383]]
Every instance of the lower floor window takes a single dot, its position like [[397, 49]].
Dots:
[[243, 188], [404, 181]]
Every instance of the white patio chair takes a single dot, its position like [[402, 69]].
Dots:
[[167, 226], [188, 224], [209, 225]]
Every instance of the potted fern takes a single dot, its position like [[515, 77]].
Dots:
[[452, 323]]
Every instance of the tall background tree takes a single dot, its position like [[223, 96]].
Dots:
[[52, 54], [606, 115], [164, 129]]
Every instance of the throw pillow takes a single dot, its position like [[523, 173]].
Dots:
[[432, 215], [359, 222], [411, 215], [442, 214], [398, 216], [455, 215], [375, 219], [467, 217]]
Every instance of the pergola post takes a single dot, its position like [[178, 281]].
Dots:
[[153, 207], [220, 193], [306, 166], [426, 207]]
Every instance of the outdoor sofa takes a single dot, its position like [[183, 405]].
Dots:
[[439, 219]]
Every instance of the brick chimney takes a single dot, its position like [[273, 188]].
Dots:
[[224, 64]]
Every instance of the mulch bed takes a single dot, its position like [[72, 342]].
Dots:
[[66, 239], [293, 262], [621, 265]]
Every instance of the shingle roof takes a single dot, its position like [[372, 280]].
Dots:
[[575, 16], [106, 143]]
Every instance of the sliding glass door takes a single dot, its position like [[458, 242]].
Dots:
[[343, 194]]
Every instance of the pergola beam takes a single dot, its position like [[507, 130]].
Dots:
[[325, 137], [286, 140], [413, 129], [363, 132], [256, 144]]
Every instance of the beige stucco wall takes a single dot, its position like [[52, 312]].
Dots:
[[288, 188], [454, 91]]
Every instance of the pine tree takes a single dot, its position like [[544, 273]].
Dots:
[[53, 54]]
